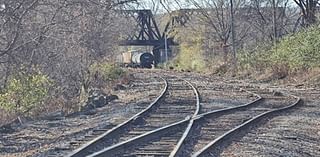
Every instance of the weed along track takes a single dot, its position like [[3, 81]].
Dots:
[[74, 131], [176, 103]]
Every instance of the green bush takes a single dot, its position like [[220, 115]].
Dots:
[[294, 52], [190, 56], [298, 51], [107, 71], [257, 59], [24, 92]]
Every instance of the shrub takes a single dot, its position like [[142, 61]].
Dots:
[[107, 71], [190, 56], [254, 60], [25, 92], [294, 52], [298, 51]]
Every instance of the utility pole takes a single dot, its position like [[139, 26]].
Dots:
[[166, 49], [275, 34], [233, 34]]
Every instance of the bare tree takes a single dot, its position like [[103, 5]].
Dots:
[[62, 38], [256, 22], [215, 15], [308, 9], [269, 21]]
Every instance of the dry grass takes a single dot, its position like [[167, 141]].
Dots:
[[312, 77], [303, 77], [6, 117]]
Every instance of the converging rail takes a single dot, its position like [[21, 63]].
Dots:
[[159, 142], [188, 130], [173, 106], [205, 151], [257, 109], [216, 129], [180, 148], [179, 129], [177, 133]]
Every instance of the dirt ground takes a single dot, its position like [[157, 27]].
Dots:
[[294, 133]]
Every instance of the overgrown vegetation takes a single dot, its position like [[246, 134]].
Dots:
[[107, 71], [295, 52], [24, 92], [256, 59], [298, 51], [190, 56], [101, 75]]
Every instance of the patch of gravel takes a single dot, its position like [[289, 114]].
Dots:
[[217, 93]]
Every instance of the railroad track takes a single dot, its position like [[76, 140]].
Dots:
[[164, 142], [204, 134], [177, 102], [172, 126], [214, 130]]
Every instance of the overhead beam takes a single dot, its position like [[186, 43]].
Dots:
[[148, 33]]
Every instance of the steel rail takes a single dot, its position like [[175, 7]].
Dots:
[[111, 151], [178, 147], [197, 117], [248, 123], [120, 147], [88, 147], [214, 112]]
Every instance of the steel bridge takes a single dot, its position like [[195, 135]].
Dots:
[[148, 33]]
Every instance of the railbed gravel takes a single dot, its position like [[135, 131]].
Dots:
[[217, 94]]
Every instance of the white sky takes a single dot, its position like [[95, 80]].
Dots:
[[157, 7], [2, 7], [173, 5]]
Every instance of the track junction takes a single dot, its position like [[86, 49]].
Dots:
[[176, 123]]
